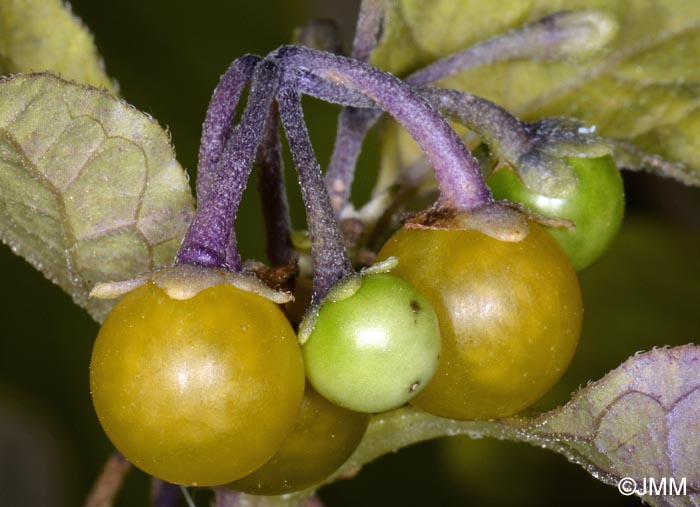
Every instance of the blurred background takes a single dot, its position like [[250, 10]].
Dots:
[[167, 57]]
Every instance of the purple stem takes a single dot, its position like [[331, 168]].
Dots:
[[273, 193], [544, 38], [368, 30], [330, 260], [219, 119], [503, 47], [353, 124], [329, 91], [165, 494], [211, 241], [351, 121], [506, 135], [547, 37], [457, 172]]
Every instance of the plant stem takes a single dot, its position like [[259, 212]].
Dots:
[[273, 193], [108, 482], [368, 29], [558, 36], [219, 119], [330, 260], [211, 241], [457, 172], [309, 83], [353, 125], [505, 134]]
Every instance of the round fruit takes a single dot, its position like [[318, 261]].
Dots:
[[323, 438], [509, 313], [199, 391], [376, 349], [597, 206]]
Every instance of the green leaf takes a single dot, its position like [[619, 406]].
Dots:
[[37, 35], [417, 33], [641, 420], [643, 89], [90, 190]]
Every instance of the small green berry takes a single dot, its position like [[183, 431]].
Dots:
[[375, 349]]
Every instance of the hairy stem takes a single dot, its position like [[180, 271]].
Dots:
[[273, 193], [457, 172], [108, 482], [353, 125], [210, 241], [560, 35], [309, 83], [219, 119], [505, 134], [368, 29], [330, 260]]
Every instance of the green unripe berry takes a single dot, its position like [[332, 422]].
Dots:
[[596, 208], [375, 349]]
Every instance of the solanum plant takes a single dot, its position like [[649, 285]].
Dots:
[[437, 308]]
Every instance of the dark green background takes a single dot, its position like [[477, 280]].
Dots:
[[167, 57]]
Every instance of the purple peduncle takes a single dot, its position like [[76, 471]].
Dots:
[[457, 172], [330, 260]]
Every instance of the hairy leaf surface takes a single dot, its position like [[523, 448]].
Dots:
[[643, 90], [90, 190], [641, 420], [44, 35]]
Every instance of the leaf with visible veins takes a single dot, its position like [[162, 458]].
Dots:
[[642, 90], [90, 190], [641, 420]]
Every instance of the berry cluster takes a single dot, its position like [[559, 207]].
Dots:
[[471, 310]]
